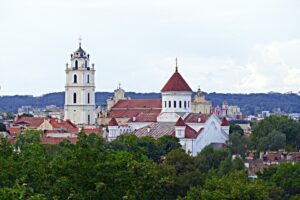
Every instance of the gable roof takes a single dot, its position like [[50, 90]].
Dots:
[[145, 117], [194, 118], [176, 83], [113, 122], [155, 130], [180, 122]]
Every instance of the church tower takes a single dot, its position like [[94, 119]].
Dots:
[[176, 98], [80, 89]]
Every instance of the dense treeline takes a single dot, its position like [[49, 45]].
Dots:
[[132, 168], [249, 103], [271, 134]]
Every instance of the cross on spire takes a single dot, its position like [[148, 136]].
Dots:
[[79, 39], [176, 64]]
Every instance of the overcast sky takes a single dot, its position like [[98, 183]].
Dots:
[[223, 46]]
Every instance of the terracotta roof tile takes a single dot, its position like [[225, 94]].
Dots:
[[176, 83], [129, 113], [155, 130], [194, 118], [113, 122], [145, 117], [224, 122], [138, 104], [180, 122]]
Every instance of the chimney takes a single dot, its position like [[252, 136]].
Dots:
[[199, 119], [148, 130], [133, 119]]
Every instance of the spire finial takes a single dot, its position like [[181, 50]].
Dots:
[[119, 85], [79, 39], [176, 64]]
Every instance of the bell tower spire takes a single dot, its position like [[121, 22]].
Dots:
[[80, 89]]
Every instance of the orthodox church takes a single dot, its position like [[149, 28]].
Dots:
[[170, 115]]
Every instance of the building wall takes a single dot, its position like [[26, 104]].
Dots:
[[82, 112], [212, 133], [177, 97]]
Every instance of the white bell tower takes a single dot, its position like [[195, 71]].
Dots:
[[80, 89]]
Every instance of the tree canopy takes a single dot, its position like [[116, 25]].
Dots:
[[131, 168]]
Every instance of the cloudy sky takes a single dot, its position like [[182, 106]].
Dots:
[[227, 46]]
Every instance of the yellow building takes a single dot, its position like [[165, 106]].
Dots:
[[200, 105]]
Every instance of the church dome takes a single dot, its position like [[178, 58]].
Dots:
[[176, 83], [80, 53]]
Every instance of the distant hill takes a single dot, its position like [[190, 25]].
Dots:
[[249, 103]]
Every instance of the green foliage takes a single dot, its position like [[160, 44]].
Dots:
[[29, 137], [275, 132], [238, 144], [210, 158], [234, 186], [130, 168], [234, 128], [285, 175]]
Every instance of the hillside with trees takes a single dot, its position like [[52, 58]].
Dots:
[[249, 103]]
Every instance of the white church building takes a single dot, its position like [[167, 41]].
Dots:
[[80, 89], [194, 130]]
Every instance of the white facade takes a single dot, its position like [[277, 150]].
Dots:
[[80, 89], [212, 134], [177, 102]]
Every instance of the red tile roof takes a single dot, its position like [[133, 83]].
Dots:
[[138, 104], [224, 122], [14, 130], [191, 133], [133, 107], [52, 140], [176, 83], [180, 122], [113, 122], [194, 118], [32, 122], [35, 122], [130, 113], [145, 117], [64, 124], [91, 130]]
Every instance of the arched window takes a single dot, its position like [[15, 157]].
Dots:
[[188, 104], [75, 78], [184, 104], [88, 98], [88, 78], [76, 64], [169, 104], [74, 98], [165, 104], [85, 64], [174, 104], [179, 104], [89, 119]]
